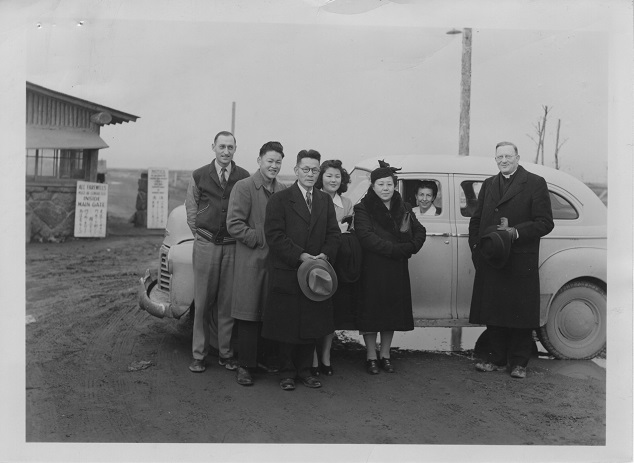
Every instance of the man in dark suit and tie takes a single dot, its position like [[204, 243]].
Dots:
[[506, 295], [300, 224]]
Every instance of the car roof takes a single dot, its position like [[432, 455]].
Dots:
[[481, 165]]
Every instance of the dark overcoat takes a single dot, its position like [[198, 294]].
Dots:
[[290, 229], [386, 297], [509, 296]]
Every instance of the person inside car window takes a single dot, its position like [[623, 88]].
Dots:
[[426, 194]]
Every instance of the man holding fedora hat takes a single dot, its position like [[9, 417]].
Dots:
[[512, 214], [303, 236]]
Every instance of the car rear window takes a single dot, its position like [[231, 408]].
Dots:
[[562, 208]]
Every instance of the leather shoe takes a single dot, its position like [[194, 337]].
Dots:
[[287, 384], [488, 366], [229, 363], [243, 377], [314, 371], [518, 372], [326, 369], [311, 381], [197, 366], [386, 365], [372, 366]]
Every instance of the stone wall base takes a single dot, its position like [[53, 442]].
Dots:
[[50, 212]]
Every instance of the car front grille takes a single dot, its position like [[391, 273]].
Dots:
[[164, 276]]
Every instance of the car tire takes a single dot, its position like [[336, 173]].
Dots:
[[576, 325]]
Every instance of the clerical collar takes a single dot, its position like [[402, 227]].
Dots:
[[509, 175]]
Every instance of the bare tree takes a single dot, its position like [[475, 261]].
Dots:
[[558, 145], [540, 129]]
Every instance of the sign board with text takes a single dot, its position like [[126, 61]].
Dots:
[[91, 210], [157, 197]]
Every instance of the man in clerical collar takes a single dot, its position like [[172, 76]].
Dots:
[[506, 296]]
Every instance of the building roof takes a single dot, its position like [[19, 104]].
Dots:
[[118, 117]]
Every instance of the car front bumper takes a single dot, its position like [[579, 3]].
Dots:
[[150, 297]]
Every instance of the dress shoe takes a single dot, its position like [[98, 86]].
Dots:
[[311, 381], [287, 384], [372, 366], [243, 377], [488, 366], [386, 365], [326, 369], [518, 372], [314, 371], [197, 366], [229, 363]]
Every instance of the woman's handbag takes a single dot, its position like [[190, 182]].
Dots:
[[349, 258], [406, 223]]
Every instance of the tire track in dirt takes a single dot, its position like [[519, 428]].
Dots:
[[113, 344]]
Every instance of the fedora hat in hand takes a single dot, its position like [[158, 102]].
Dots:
[[317, 279], [495, 246]]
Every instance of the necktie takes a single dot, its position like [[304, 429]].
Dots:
[[223, 178], [309, 202]]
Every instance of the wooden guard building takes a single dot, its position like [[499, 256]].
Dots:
[[62, 147]]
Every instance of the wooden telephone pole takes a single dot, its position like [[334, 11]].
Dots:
[[465, 93], [233, 117]]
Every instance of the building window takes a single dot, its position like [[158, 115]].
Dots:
[[55, 164]]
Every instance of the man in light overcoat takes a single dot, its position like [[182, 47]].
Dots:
[[506, 299], [300, 224], [245, 222]]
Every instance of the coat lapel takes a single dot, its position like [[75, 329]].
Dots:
[[213, 173], [318, 206], [517, 185], [298, 203]]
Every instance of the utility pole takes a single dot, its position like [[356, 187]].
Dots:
[[233, 117], [465, 93]]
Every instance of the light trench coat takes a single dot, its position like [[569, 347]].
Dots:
[[245, 222]]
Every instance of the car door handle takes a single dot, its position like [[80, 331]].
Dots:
[[445, 235]]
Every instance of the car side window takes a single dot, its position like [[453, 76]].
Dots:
[[469, 190], [420, 194], [562, 208]]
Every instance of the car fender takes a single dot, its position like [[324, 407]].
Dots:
[[567, 265], [181, 270]]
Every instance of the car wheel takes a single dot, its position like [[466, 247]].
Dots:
[[576, 325]]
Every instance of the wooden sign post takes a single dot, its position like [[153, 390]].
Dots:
[[91, 210], [157, 197]]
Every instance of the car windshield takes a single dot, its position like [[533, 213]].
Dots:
[[359, 184]]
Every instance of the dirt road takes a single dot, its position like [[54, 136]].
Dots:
[[84, 330]]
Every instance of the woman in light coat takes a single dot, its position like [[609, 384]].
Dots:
[[334, 179]]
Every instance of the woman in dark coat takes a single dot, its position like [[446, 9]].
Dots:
[[386, 298]]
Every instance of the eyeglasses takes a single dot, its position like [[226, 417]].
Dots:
[[508, 157], [308, 169]]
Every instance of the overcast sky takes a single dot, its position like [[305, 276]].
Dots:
[[351, 79]]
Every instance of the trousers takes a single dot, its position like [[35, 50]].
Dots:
[[213, 284], [509, 345], [296, 359]]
